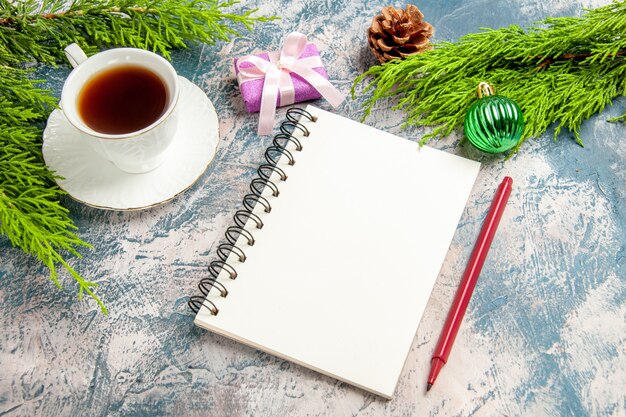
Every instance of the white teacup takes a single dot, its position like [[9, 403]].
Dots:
[[134, 152]]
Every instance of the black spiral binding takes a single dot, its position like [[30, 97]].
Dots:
[[265, 171]]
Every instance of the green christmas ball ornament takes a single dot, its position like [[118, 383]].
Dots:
[[493, 123]]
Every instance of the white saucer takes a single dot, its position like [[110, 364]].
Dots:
[[92, 180]]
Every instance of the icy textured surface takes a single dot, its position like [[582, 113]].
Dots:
[[544, 334]]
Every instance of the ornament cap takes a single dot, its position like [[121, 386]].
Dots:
[[485, 89]]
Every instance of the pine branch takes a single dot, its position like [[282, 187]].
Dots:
[[562, 71], [30, 31], [31, 215]]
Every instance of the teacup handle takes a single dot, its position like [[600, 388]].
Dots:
[[75, 55]]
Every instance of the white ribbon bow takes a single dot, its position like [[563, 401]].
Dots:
[[276, 73]]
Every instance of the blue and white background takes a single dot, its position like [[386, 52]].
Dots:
[[544, 335]]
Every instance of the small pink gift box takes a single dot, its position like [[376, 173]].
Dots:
[[251, 91], [291, 75]]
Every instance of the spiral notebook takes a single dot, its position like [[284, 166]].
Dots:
[[332, 258]]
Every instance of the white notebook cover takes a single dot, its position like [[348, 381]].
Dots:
[[341, 272]]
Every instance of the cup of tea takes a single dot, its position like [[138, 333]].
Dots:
[[124, 102]]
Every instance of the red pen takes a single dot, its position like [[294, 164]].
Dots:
[[468, 282]]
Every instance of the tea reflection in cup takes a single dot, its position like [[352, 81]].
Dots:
[[124, 101]]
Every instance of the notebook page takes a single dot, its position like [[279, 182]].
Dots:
[[341, 272]]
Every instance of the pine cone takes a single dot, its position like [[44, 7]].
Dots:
[[399, 33]]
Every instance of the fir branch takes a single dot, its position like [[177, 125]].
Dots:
[[31, 215], [33, 31], [561, 71]]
